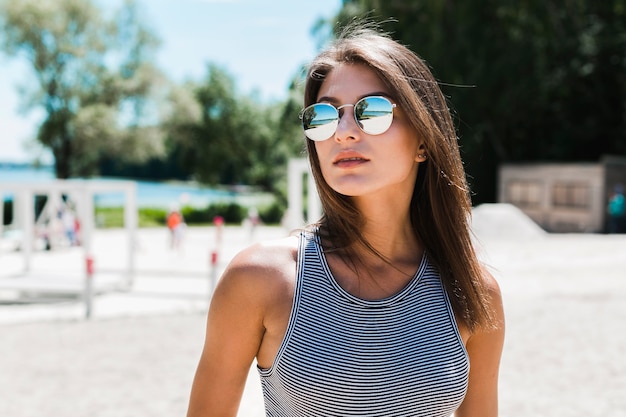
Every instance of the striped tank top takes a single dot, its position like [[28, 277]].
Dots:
[[345, 356]]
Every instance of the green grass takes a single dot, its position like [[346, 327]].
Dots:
[[110, 217]]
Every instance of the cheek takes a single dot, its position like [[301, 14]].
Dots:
[[320, 146], [406, 143], [323, 150]]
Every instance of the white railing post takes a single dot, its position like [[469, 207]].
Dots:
[[130, 224]]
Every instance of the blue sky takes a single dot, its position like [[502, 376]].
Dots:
[[261, 43]]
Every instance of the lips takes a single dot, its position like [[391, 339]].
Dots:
[[349, 158]]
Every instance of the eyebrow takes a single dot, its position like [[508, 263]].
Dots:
[[333, 100]]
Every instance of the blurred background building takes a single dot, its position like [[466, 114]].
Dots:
[[564, 197]]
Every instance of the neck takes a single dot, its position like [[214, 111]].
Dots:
[[391, 255], [390, 233]]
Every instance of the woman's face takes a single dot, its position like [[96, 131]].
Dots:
[[358, 164]]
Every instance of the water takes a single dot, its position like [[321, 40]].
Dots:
[[149, 193], [166, 195]]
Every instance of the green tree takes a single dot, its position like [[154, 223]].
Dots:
[[94, 79], [224, 138], [537, 80]]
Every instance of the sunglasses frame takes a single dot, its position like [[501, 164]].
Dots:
[[337, 117]]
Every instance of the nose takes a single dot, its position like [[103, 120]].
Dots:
[[347, 129]]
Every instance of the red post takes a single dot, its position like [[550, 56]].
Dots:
[[218, 221], [89, 269], [89, 265], [213, 272]]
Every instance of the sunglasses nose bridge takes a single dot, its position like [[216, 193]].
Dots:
[[340, 108], [348, 126], [341, 112]]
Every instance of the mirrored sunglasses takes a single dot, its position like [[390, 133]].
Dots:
[[372, 114]]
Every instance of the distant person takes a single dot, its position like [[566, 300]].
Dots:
[[380, 307], [176, 226], [69, 221], [617, 210], [253, 220]]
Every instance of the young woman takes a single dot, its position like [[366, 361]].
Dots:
[[381, 308]]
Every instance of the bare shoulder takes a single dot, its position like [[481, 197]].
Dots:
[[265, 258], [494, 299], [490, 283], [263, 270]]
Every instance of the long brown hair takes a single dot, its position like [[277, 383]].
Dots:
[[440, 207]]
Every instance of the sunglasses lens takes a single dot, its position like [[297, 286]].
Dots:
[[320, 121], [374, 114]]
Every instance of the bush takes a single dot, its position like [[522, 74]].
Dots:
[[272, 214], [232, 213], [194, 215]]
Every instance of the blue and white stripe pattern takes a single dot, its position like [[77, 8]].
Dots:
[[345, 356]]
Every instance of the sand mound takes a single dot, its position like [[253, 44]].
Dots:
[[503, 221]]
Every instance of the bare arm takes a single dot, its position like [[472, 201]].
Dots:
[[233, 335], [247, 317], [485, 350]]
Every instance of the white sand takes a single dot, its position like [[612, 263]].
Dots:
[[563, 294]]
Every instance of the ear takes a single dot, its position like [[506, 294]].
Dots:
[[421, 154]]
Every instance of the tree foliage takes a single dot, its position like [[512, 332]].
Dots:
[[94, 79], [535, 80], [226, 138]]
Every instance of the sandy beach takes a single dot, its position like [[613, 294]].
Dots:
[[136, 356]]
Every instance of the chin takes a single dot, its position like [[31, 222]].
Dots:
[[350, 191], [344, 188]]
